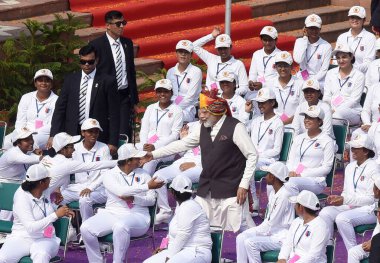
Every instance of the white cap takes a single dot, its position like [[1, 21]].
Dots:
[[184, 44], [265, 94], [362, 141], [284, 56], [182, 184], [223, 40], [311, 84], [22, 134], [62, 139], [278, 169], [90, 124], [36, 172], [129, 150], [43, 72], [226, 76], [377, 44], [313, 20], [314, 112], [357, 11], [269, 31], [307, 199], [341, 47], [164, 83], [376, 180]]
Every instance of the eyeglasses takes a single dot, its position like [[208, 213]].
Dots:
[[119, 23], [89, 62]]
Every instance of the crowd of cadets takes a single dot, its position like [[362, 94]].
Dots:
[[269, 100]]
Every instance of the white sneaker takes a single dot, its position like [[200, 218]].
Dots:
[[163, 217]]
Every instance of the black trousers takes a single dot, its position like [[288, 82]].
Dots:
[[126, 114], [374, 254]]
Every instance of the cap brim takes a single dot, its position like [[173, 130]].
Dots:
[[226, 79], [222, 45], [271, 36], [160, 87], [139, 154], [42, 75], [293, 199], [312, 24], [74, 139], [307, 87]]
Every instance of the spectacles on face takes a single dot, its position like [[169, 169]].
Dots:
[[118, 23], [89, 62]]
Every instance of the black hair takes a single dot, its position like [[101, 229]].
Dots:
[[371, 153], [181, 197], [275, 106], [88, 49], [29, 186], [353, 58], [111, 15], [121, 162], [16, 142], [311, 211]]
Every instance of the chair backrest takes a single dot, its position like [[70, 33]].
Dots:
[[123, 139], [217, 244], [330, 251], [152, 213], [286, 143], [3, 129], [7, 191], [61, 229], [330, 176], [340, 133]]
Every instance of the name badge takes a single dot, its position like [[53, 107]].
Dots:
[[300, 168], [48, 231]]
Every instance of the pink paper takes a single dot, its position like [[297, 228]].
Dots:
[[300, 168], [295, 258], [164, 243], [38, 124], [178, 100], [213, 86], [378, 120], [196, 151], [284, 117], [130, 204], [153, 139], [305, 74], [261, 79], [48, 232], [337, 101]]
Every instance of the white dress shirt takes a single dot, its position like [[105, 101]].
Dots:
[[263, 66], [89, 91], [371, 107], [237, 107], [372, 75], [113, 44]]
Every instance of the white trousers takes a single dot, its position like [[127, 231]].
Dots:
[[297, 184], [249, 244], [356, 253], [186, 255], [85, 202], [167, 174], [352, 115], [346, 219], [150, 167], [40, 250], [123, 228]]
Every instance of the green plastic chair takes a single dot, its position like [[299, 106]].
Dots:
[[217, 245], [123, 139], [362, 229], [7, 192], [366, 260], [3, 129], [329, 182], [340, 133], [61, 230]]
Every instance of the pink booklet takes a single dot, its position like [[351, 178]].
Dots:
[[196, 150], [337, 101], [164, 243], [38, 124], [284, 117], [295, 258], [48, 231], [300, 168], [261, 79], [305, 74], [153, 139], [130, 204], [178, 100]]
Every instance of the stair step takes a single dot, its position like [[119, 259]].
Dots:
[[148, 65]]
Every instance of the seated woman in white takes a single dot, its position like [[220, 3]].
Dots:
[[189, 238], [372, 75], [286, 87], [161, 123], [355, 205], [344, 86], [307, 236], [129, 193], [311, 156], [374, 134], [35, 110], [312, 91], [33, 231], [186, 80]]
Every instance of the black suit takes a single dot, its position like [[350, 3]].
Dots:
[[129, 96], [104, 107]]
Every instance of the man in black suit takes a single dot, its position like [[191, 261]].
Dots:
[[116, 58], [88, 94]]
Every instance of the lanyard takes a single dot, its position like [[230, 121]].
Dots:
[[93, 157], [357, 180], [217, 69], [265, 64], [299, 239], [159, 119], [39, 108], [273, 207], [344, 83], [360, 40], [307, 148], [42, 210], [286, 101], [315, 50], [260, 137], [133, 177], [180, 83]]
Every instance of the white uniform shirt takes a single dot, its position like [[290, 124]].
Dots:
[[263, 66], [237, 107], [118, 184], [372, 75], [14, 163], [347, 91], [363, 46], [90, 179], [371, 112], [113, 44], [240, 138], [89, 90], [374, 134], [316, 155], [279, 215], [31, 215], [215, 66], [164, 123], [35, 115], [358, 183], [308, 241], [298, 122], [189, 228], [267, 136]]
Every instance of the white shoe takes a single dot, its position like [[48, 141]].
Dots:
[[72, 234], [163, 217], [256, 204]]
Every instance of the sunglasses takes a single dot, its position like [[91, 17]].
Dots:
[[89, 62], [119, 23]]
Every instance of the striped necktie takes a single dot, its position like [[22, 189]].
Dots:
[[119, 66], [82, 99]]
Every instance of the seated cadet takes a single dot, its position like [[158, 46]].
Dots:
[[311, 52], [223, 61], [189, 237], [372, 75], [361, 251], [227, 83], [311, 155], [374, 135], [354, 206], [33, 231], [161, 123], [88, 187], [312, 92], [129, 193], [307, 237], [286, 87], [270, 234], [371, 108], [186, 80], [189, 165]]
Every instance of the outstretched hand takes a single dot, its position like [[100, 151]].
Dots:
[[215, 32], [147, 158]]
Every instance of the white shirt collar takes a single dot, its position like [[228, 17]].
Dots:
[[359, 35], [45, 101], [219, 123], [185, 71], [274, 52], [111, 40], [229, 62], [91, 75]]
